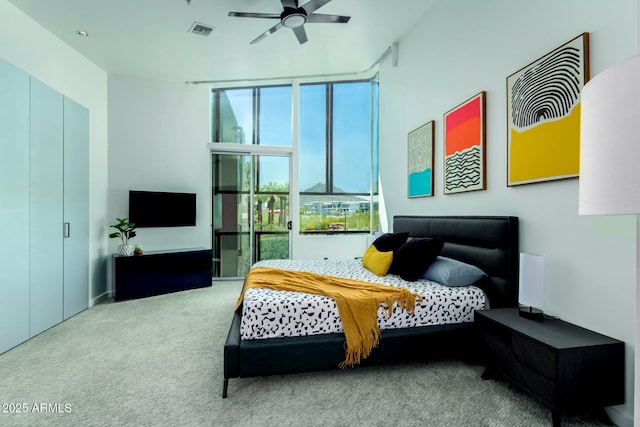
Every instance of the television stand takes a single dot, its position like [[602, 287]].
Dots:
[[161, 272]]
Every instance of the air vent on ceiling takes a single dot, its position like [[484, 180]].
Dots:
[[202, 29]]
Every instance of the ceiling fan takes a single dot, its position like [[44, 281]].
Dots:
[[295, 17]]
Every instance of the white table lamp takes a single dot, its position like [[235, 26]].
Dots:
[[531, 287]]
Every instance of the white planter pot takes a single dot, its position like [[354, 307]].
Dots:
[[125, 250]]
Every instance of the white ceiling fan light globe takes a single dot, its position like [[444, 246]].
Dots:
[[294, 20]]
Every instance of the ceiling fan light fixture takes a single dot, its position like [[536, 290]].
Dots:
[[294, 20]]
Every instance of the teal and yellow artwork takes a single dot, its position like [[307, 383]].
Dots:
[[420, 165]]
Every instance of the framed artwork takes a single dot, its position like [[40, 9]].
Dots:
[[420, 164], [464, 146], [543, 115]]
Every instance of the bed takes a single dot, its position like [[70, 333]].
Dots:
[[488, 242]]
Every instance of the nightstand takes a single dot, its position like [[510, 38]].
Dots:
[[562, 365]]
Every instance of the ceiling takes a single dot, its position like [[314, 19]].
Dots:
[[152, 38]]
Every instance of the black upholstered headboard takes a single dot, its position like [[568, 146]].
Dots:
[[488, 242]]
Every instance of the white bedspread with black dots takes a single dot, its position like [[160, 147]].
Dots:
[[269, 313]]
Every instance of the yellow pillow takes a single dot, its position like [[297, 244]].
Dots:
[[376, 261]]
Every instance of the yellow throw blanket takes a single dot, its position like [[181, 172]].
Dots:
[[357, 302]]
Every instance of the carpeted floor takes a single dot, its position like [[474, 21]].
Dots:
[[158, 362]]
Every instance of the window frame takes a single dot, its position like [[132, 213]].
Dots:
[[255, 112], [373, 192]]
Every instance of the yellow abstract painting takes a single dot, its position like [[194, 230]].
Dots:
[[543, 115]]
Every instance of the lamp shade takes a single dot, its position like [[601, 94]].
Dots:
[[610, 141], [531, 286]]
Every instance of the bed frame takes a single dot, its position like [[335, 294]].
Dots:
[[489, 242]]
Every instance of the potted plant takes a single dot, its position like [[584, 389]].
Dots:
[[126, 231]]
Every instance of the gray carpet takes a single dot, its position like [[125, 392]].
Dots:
[[158, 362]]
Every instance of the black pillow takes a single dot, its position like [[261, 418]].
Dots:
[[390, 241], [414, 257]]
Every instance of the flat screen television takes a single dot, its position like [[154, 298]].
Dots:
[[162, 209]]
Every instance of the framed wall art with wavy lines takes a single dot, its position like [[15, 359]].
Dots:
[[464, 146], [543, 115]]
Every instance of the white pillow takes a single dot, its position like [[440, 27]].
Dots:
[[451, 272]]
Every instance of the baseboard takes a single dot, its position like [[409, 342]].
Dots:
[[100, 298], [618, 417]]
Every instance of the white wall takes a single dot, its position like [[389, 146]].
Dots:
[[33, 49], [462, 47], [158, 135]]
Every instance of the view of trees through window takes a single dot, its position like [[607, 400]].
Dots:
[[271, 209]]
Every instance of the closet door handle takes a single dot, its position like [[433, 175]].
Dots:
[[67, 229]]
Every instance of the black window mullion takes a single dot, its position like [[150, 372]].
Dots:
[[329, 132], [256, 116], [256, 180], [216, 106]]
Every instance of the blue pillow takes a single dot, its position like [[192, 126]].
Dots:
[[451, 272]]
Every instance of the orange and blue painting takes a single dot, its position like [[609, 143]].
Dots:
[[543, 115], [464, 146]]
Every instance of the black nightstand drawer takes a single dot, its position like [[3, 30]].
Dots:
[[498, 332], [538, 357], [501, 355]]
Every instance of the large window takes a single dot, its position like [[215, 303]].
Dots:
[[338, 157], [337, 145]]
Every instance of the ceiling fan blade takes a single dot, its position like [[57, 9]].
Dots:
[[314, 5], [268, 32], [293, 4], [301, 34], [255, 15], [332, 19]]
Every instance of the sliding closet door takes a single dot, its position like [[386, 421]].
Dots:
[[14, 206], [76, 208], [46, 207]]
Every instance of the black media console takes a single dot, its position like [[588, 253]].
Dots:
[[156, 273]]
